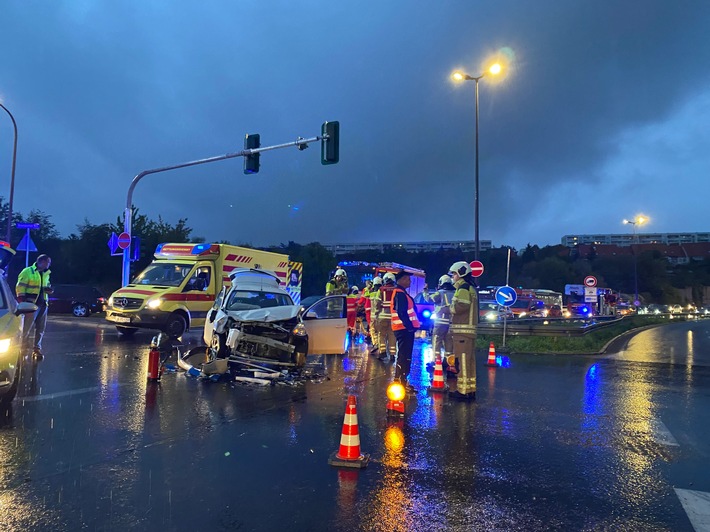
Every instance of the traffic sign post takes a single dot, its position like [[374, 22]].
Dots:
[[590, 281], [476, 268], [124, 240], [506, 296], [26, 243]]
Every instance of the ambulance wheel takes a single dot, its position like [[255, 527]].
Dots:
[[175, 326], [126, 331], [219, 345]]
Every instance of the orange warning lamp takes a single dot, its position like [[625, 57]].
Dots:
[[395, 391]]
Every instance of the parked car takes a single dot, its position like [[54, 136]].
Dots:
[[492, 311], [676, 309], [77, 299], [256, 319], [527, 308], [10, 331]]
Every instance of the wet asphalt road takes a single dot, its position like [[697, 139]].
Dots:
[[552, 443]]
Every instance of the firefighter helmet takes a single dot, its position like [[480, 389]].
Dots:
[[340, 273], [389, 276], [444, 279], [461, 267], [354, 289], [377, 280]]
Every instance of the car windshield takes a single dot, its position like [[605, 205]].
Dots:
[[164, 274], [252, 299]]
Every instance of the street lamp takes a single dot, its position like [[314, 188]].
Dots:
[[12, 175], [639, 220], [461, 76]]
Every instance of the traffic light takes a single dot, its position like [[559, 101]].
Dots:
[[330, 147], [251, 162]]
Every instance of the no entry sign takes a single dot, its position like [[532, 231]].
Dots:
[[124, 240], [476, 268]]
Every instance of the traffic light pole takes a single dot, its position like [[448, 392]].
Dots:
[[128, 212]]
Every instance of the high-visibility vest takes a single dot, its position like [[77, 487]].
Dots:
[[442, 300], [466, 322], [397, 323], [29, 283], [385, 298]]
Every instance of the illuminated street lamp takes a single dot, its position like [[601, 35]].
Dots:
[[12, 176], [639, 220], [461, 76]]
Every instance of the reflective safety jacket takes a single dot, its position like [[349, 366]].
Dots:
[[464, 309], [384, 302], [366, 303], [30, 283], [441, 299], [334, 288], [374, 311], [404, 313], [351, 301]]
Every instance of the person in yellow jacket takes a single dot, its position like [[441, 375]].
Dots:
[[375, 315], [441, 335], [383, 309], [464, 322], [33, 287]]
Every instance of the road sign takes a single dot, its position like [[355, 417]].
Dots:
[[124, 240], [506, 296], [590, 294], [476, 268], [113, 242], [590, 281], [26, 244], [26, 225]]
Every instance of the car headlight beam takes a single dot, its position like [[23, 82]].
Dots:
[[5, 345]]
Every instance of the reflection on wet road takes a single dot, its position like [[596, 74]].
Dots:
[[552, 442]]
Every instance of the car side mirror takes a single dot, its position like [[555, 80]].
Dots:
[[311, 315], [25, 308], [212, 315]]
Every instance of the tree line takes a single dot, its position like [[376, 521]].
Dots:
[[83, 257]]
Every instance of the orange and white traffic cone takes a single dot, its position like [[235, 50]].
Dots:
[[491, 355], [349, 453], [438, 384]]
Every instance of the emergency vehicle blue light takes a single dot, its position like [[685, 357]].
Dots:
[[502, 361], [200, 248], [426, 313], [584, 310], [159, 248]]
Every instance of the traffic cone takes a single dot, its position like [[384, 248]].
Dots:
[[491, 355], [438, 384], [349, 453]]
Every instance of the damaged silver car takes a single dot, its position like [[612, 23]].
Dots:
[[256, 320]]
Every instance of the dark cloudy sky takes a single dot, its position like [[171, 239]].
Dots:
[[604, 114]]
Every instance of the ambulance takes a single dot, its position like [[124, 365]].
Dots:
[[175, 292]]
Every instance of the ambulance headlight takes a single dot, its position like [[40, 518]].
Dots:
[[4, 345], [154, 303], [300, 330], [110, 301]]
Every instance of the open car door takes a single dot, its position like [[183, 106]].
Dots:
[[211, 314], [327, 325]]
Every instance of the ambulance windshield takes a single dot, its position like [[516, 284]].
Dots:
[[164, 274]]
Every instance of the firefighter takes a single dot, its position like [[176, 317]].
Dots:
[[338, 285], [352, 300], [384, 321], [464, 320], [373, 317], [33, 287], [404, 324], [441, 335]]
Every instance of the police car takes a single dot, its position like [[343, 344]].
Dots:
[[10, 330]]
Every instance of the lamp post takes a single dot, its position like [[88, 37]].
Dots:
[[12, 175], [460, 76], [639, 220]]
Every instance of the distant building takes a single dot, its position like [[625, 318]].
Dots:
[[673, 253], [415, 247], [626, 239]]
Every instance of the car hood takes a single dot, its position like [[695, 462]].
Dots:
[[260, 315]]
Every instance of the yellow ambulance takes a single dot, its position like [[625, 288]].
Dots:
[[175, 292]]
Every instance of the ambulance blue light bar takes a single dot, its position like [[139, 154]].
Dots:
[[186, 250]]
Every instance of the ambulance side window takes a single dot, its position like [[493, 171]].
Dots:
[[200, 280]]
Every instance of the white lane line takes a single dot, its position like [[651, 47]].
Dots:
[[697, 505], [661, 434], [32, 398]]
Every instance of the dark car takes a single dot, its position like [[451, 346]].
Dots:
[[77, 299]]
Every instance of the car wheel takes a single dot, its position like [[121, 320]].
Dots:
[[11, 392], [80, 310], [219, 345], [126, 331], [175, 326]]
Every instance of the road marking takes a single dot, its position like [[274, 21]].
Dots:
[[661, 434], [697, 505], [32, 398]]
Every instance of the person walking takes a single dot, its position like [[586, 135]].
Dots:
[[404, 324], [441, 335], [33, 287], [464, 322]]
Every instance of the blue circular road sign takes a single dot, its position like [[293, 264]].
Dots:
[[506, 296]]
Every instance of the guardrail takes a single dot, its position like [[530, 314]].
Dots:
[[566, 327]]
